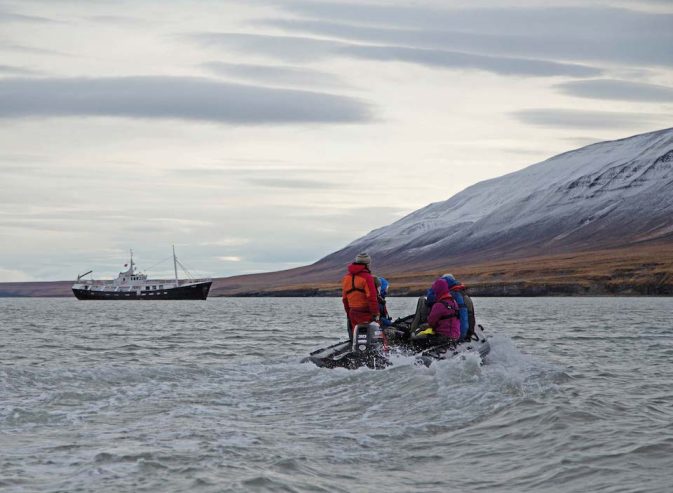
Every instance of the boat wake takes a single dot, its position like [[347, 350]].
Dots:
[[448, 393]]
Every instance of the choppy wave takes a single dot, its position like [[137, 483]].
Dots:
[[123, 396]]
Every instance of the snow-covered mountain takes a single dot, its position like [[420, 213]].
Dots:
[[609, 194]]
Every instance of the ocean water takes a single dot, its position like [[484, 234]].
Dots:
[[125, 396]]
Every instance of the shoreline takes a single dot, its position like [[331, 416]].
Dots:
[[515, 290], [638, 271]]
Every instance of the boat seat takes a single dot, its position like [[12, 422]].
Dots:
[[421, 315]]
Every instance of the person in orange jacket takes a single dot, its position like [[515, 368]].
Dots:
[[358, 293]]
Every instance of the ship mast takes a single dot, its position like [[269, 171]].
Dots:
[[175, 266]]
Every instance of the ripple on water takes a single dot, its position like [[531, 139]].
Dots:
[[195, 396]]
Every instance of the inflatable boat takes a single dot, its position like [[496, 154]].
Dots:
[[373, 347]]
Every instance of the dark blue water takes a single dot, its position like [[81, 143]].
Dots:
[[576, 396]]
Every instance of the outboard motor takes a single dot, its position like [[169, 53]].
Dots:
[[366, 337], [368, 345]]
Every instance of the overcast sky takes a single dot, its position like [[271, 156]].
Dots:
[[261, 135]]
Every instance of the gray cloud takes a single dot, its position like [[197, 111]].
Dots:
[[13, 157], [73, 220], [31, 50], [279, 178], [254, 168], [13, 70], [549, 20], [290, 48], [580, 119], [351, 215], [449, 59], [595, 34], [10, 16], [306, 49], [173, 98], [199, 173], [17, 170], [275, 74], [116, 19], [618, 90], [291, 183]]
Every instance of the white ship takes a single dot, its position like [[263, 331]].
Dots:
[[132, 285]]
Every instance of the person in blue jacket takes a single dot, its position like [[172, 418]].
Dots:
[[382, 291]]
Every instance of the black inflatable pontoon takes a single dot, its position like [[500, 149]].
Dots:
[[372, 346]]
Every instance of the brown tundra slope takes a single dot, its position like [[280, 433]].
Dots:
[[644, 270]]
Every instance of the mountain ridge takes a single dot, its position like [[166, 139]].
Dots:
[[543, 201], [614, 198]]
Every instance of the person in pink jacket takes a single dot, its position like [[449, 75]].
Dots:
[[444, 317]]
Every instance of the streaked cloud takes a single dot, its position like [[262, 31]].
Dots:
[[13, 70], [618, 90], [67, 220], [471, 48], [185, 98], [13, 16], [554, 33], [307, 49], [287, 48], [226, 242], [290, 177], [31, 50], [25, 158], [554, 19], [291, 183], [581, 119], [117, 19], [448, 59], [275, 75], [17, 169]]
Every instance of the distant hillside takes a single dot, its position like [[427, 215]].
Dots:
[[43, 289], [596, 220], [644, 270]]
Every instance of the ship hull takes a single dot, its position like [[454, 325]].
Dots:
[[196, 291]]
